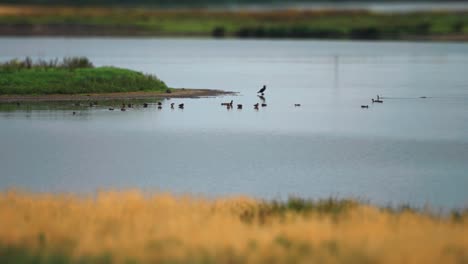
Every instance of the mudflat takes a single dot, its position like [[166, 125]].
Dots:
[[175, 93]]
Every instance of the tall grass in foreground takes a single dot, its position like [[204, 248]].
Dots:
[[132, 227]]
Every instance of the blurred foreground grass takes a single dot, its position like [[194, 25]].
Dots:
[[330, 24], [136, 227]]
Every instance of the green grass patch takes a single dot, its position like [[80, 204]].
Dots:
[[25, 79]]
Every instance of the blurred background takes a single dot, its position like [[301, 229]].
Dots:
[[332, 19]]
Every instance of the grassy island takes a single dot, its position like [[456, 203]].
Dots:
[[135, 227], [71, 76]]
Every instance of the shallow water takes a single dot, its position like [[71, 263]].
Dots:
[[406, 150]]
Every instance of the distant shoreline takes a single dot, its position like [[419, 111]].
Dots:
[[96, 31], [242, 24], [176, 93]]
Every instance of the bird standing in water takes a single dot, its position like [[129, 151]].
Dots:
[[261, 91]]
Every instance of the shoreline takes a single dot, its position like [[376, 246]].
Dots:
[[177, 93], [340, 24], [90, 31]]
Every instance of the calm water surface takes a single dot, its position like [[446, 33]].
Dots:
[[406, 150]]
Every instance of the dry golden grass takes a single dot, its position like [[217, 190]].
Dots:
[[136, 227]]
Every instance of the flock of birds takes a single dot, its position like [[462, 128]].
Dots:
[[145, 105], [228, 105]]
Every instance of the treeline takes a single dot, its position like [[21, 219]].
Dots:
[[192, 3]]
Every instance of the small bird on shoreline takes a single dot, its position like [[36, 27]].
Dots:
[[261, 91]]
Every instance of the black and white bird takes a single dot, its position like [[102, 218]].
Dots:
[[261, 91]]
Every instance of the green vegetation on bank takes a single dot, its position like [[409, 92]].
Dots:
[[71, 76], [243, 24]]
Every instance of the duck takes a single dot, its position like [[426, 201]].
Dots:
[[159, 107], [256, 106], [364, 106], [239, 106], [264, 105], [297, 105], [145, 105], [376, 101], [181, 106], [172, 105], [111, 109], [228, 104], [159, 103]]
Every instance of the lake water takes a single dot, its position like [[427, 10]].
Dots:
[[406, 150]]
